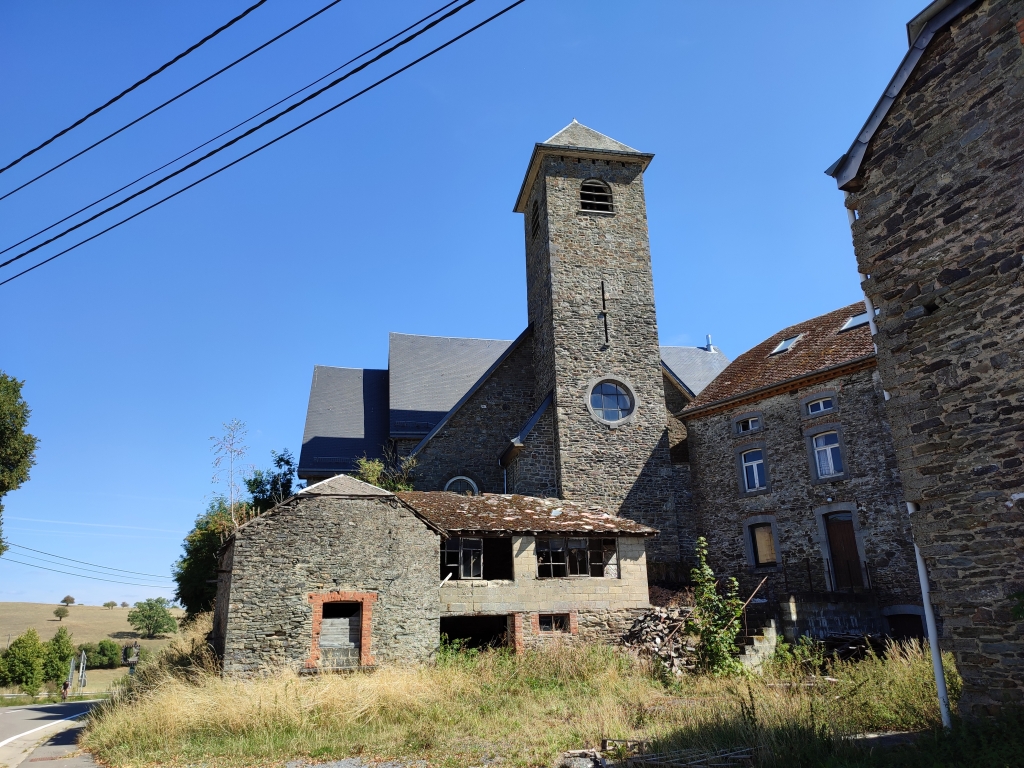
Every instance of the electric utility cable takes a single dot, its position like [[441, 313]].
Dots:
[[77, 568], [270, 120], [131, 88], [82, 576], [169, 101], [83, 562], [232, 128]]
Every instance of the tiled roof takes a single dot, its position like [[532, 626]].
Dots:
[[695, 367], [515, 514], [821, 344], [347, 417], [430, 374]]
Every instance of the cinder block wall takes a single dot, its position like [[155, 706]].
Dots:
[[330, 544], [940, 235], [873, 486]]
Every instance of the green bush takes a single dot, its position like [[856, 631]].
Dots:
[[23, 663], [103, 655], [715, 620], [57, 654]]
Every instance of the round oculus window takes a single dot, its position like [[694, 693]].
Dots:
[[611, 401], [462, 485]]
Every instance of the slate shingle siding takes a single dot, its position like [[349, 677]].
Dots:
[[471, 441], [873, 485], [941, 234], [330, 544], [627, 469]]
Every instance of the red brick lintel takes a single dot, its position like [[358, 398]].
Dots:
[[366, 599]]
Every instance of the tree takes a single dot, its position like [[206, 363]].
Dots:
[[197, 567], [68, 600], [390, 473], [151, 617], [23, 663], [57, 655], [124, 604], [17, 447], [110, 605], [229, 450], [715, 617], [269, 488], [103, 655], [61, 613]]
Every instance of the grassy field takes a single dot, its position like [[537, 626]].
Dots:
[[525, 709], [86, 623]]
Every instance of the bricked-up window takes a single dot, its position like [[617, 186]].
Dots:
[[462, 558], [535, 219], [596, 196], [823, 405], [753, 470], [763, 544], [553, 622], [575, 557], [828, 457]]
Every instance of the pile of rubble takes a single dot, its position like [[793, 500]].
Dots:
[[661, 633]]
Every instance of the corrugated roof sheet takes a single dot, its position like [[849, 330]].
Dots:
[[347, 417], [696, 367], [822, 344], [430, 374], [515, 514]]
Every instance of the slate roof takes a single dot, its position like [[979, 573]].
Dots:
[[347, 417], [430, 374], [578, 135], [821, 345], [513, 514], [695, 367], [343, 485]]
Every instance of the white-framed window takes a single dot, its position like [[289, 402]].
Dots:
[[762, 543], [462, 485], [463, 558], [857, 320], [828, 457], [753, 470], [751, 424], [822, 405], [785, 344]]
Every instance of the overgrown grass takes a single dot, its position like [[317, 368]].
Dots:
[[524, 708]]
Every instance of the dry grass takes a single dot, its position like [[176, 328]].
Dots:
[[86, 623], [525, 709]]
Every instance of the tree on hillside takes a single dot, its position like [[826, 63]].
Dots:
[[110, 605], [68, 600], [269, 487], [61, 613], [22, 663], [197, 567], [151, 617], [17, 447], [57, 654], [124, 604], [229, 450]]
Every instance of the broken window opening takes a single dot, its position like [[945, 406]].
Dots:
[[477, 558], [576, 557], [763, 544], [553, 622]]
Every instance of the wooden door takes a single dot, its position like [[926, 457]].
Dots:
[[843, 547]]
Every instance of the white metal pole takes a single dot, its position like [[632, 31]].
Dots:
[[933, 632]]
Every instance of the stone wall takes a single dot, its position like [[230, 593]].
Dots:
[[871, 490], [940, 233], [471, 441], [533, 472], [328, 544], [626, 469]]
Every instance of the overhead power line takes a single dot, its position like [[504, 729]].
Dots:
[[267, 122], [131, 88], [166, 103], [83, 562], [229, 130], [82, 576]]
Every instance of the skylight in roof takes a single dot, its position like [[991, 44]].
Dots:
[[856, 320], [785, 344]]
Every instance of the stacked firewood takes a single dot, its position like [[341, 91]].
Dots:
[[661, 634]]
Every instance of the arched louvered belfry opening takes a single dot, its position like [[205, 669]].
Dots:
[[595, 195]]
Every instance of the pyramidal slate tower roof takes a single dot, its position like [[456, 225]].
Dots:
[[577, 140]]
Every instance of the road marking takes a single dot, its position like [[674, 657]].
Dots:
[[5, 742]]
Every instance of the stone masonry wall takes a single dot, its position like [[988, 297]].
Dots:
[[533, 471], [873, 488], [327, 544], [470, 443], [940, 234], [626, 469]]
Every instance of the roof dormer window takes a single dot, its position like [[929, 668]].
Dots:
[[595, 195]]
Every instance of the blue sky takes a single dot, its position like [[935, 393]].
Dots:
[[392, 214]]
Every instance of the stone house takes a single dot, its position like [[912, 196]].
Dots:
[[933, 190], [345, 575], [796, 483]]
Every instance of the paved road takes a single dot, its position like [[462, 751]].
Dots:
[[53, 725], [15, 721]]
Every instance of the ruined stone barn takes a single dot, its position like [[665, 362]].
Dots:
[[796, 483], [934, 192], [577, 407], [346, 575]]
